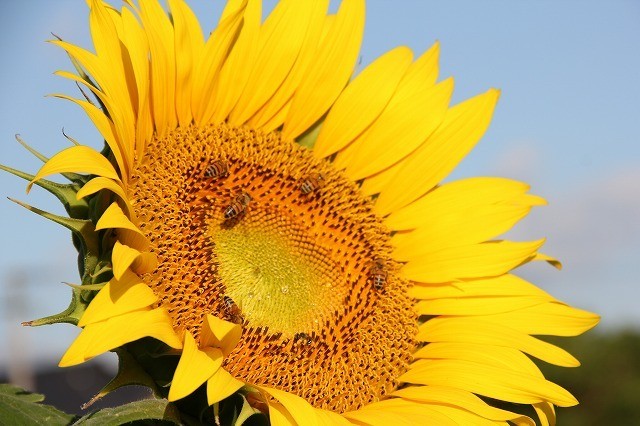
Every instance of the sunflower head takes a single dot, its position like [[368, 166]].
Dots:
[[264, 226]]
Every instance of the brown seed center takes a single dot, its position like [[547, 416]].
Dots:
[[255, 230]]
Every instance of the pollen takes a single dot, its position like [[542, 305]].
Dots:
[[255, 230]]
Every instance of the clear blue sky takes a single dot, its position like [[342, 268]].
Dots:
[[568, 123]]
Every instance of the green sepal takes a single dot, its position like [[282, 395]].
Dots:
[[98, 203], [102, 273], [130, 372], [66, 193], [70, 139], [73, 177], [71, 315], [86, 287], [83, 229], [21, 408], [158, 359]]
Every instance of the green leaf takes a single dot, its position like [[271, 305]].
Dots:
[[19, 407], [149, 409]]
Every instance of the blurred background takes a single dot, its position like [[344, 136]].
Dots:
[[568, 123]]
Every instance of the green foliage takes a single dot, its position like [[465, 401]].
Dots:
[[140, 411], [19, 407], [607, 384]]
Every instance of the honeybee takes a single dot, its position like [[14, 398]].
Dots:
[[216, 170], [232, 311], [304, 337], [238, 206], [311, 184], [378, 274]]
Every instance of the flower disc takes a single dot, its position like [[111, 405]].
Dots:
[[254, 229]]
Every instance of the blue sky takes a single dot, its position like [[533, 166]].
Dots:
[[568, 123]]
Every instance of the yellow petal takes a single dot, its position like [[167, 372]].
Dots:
[[279, 416], [114, 112], [462, 128], [398, 411], [273, 113], [221, 385], [550, 260], [478, 330], [108, 131], [334, 64], [276, 121], [462, 195], [108, 48], [546, 413], [195, 367], [476, 305], [111, 91], [444, 395], [237, 68], [330, 418], [496, 356], [552, 318], [423, 73], [474, 261], [124, 257], [99, 183], [212, 58], [489, 381], [189, 44], [221, 334], [280, 41], [113, 83], [128, 233], [80, 159], [459, 227], [299, 409], [402, 127], [504, 285], [114, 217], [119, 296], [161, 37], [461, 416], [137, 44], [358, 105], [107, 335]]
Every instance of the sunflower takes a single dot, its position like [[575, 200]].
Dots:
[[281, 226]]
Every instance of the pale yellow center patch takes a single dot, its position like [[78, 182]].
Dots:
[[268, 271]]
